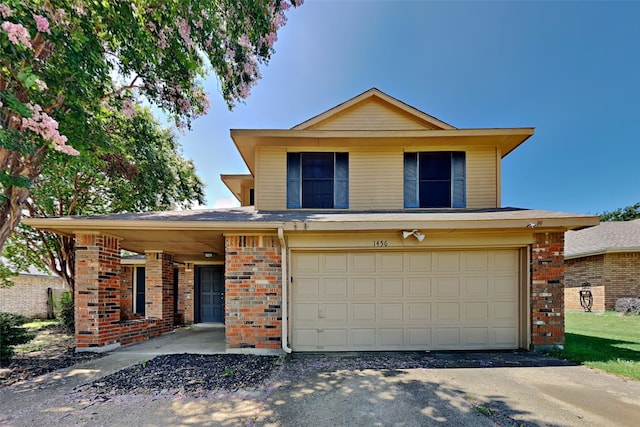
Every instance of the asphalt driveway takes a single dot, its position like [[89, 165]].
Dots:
[[346, 390]]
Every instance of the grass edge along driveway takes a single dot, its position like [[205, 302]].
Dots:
[[607, 341]]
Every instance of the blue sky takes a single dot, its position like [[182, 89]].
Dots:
[[571, 69]]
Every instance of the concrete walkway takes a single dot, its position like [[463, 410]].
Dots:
[[544, 396]]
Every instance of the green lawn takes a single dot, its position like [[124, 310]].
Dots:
[[607, 341]]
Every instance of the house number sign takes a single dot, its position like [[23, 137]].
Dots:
[[380, 243]]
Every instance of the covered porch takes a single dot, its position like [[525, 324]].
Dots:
[[197, 273]]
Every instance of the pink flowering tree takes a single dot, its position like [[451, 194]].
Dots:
[[65, 64]]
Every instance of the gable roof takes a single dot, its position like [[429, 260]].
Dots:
[[374, 119], [373, 101], [618, 236]]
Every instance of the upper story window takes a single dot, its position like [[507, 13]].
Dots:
[[434, 179], [318, 180]]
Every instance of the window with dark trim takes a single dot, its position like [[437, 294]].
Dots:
[[435, 179], [139, 298], [318, 180]]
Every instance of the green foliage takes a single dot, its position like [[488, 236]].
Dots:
[[622, 214], [11, 334], [608, 341], [65, 66], [67, 315], [228, 372]]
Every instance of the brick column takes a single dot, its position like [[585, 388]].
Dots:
[[159, 288], [547, 291], [186, 291], [253, 297], [97, 292]]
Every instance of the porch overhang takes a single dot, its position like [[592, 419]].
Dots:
[[189, 234]]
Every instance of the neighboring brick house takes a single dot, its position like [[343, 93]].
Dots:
[[31, 293], [372, 226], [608, 258]]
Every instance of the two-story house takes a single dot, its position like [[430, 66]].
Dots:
[[372, 226]]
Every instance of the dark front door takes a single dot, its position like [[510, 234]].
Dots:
[[140, 291], [211, 284]]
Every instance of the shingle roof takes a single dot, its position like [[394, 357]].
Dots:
[[616, 236]]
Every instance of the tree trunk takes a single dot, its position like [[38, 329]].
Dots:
[[11, 211]]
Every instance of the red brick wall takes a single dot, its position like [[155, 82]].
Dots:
[[159, 288], [126, 292], [97, 291], [185, 293], [587, 269], [622, 273], [253, 297], [547, 291]]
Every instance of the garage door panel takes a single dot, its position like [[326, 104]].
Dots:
[[418, 287], [506, 337], [334, 263], [503, 286], [377, 300], [390, 262], [306, 263], [447, 338], [475, 337], [446, 287], [335, 287], [363, 338], [363, 312], [475, 287], [418, 337], [390, 287], [306, 287], [363, 262], [447, 261], [476, 311], [392, 338], [418, 262], [363, 287], [504, 311], [331, 339], [306, 339], [305, 313], [504, 260], [331, 313], [446, 312], [390, 312], [418, 312], [475, 261]]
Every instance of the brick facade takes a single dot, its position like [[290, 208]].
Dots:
[[159, 288], [186, 286], [618, 273], [28, 295], [253, 297], [97, 291], [547, 291]]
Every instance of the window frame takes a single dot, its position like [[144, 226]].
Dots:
[[296, 180], [414, 179]]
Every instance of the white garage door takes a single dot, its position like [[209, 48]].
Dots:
[[440, 300]]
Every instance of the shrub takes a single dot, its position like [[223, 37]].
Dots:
[[66, 312], [628, 305], [11, 334]]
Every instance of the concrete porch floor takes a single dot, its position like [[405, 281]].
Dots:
[[199, 338]]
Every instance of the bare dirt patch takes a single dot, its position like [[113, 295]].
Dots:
[[52, 349]]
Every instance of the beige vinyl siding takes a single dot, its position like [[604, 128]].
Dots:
[[246, 195], [271, 178], [376, 179], [482, 178], [370, 115]]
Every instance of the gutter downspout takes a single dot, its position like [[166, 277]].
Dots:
[[285, 287]]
